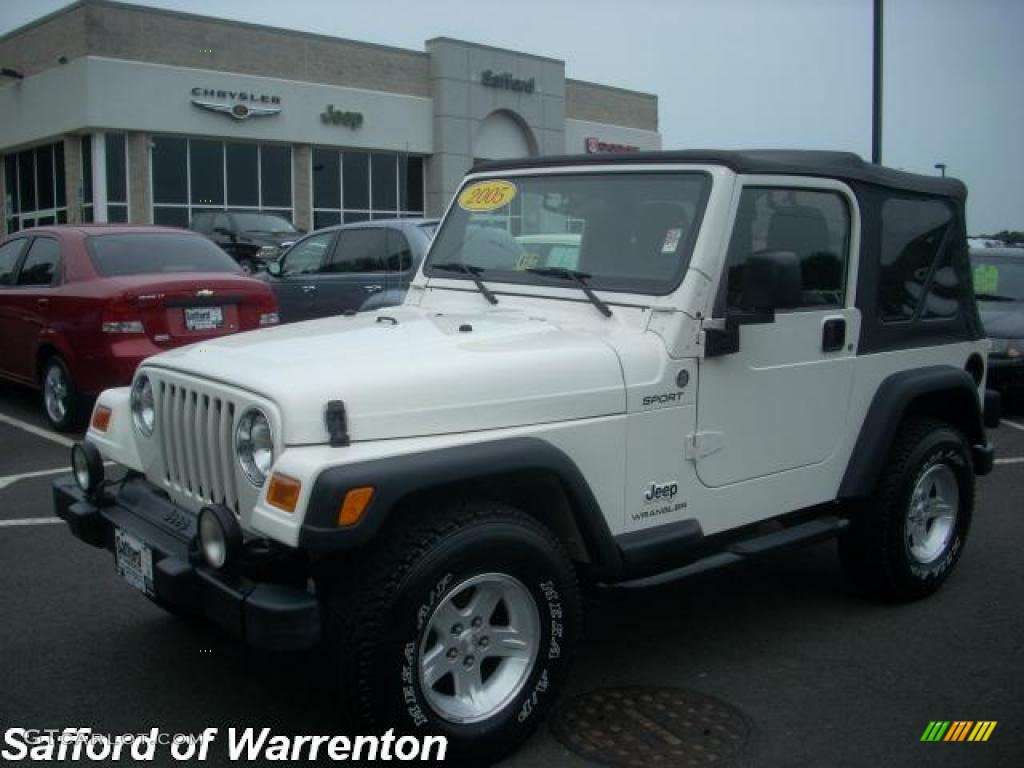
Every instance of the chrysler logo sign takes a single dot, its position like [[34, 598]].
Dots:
[[241, 105]]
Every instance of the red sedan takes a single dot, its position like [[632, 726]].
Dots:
[[82, 306]]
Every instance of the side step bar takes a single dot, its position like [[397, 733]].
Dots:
[[752, 548], [806, 533]]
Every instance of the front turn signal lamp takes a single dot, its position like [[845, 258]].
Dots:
[[354, 505], [101, 418], [283, 492]]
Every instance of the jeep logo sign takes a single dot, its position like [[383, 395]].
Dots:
[[661, 491], [332, 116]]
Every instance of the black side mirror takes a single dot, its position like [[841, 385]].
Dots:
[[274, 268], [771, 280]]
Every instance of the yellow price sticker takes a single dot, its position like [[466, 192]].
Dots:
[[487, 195]]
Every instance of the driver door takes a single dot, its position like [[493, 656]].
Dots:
[[780, 402]]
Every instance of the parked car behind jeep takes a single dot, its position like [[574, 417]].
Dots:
[[251, 238], [999, 288], [82, 306], [349, 268]]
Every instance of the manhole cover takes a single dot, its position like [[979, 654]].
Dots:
[[652, 727]]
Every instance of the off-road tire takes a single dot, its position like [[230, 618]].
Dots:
[[248, 265], [73, 403], [875, 551], [378, 611]]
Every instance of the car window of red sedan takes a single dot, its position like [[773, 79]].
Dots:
[[40, 265], [153, 253], [9, 253]]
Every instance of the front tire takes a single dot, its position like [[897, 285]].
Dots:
[[62, 403], [459, 623], [905, 540]]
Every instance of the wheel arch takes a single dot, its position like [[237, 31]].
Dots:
[[528, 473], [943, 392], [47, 349]]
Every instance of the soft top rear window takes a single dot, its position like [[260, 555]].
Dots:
[[154, 253]]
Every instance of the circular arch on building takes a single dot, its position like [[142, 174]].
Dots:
[[504, 135]]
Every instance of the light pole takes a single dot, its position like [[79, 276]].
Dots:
[[941, 167], [876, 89]]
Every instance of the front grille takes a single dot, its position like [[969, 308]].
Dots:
[[196, 437]]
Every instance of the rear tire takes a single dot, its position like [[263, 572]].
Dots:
[[62, 403], [248, 266], [459, 623], [905, 540]]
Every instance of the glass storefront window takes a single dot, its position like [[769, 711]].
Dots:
[[206, 165], [276, 176], [359, 186], [34, 180], [193, 175], [243, 175]]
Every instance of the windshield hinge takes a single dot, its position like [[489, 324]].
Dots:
[[701, 444]]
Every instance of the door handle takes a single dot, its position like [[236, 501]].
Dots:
[[833, 334], [308, 288], [42, 302], [373, 288]]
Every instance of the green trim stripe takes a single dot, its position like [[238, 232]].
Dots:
[[935, 731]]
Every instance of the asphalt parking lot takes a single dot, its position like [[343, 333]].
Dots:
[[823, 677]]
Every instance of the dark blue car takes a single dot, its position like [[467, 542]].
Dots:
[[349, 268]]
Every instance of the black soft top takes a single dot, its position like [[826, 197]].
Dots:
[[846, 166]]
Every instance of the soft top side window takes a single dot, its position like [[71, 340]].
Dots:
[[813, 224], [917, 277]]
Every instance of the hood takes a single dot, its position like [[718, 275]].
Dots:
[[1002, 320], [413, 372]]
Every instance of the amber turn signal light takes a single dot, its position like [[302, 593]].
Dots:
[[355, 504], [283, 492], [101, 419]]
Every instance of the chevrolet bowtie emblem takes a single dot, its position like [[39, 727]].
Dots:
[[204, 292]]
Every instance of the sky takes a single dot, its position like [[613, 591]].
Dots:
[[741, 73]]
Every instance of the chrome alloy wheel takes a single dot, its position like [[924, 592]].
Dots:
[[479, 647], [55, 393], [931, 517]]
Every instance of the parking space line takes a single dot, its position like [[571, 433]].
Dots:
[[1013, 424], [12, 479], [45, 433], [1011, 460], [30, 521]]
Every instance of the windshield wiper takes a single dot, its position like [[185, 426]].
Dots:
[[472, 272], [580, 278], [993, 297]]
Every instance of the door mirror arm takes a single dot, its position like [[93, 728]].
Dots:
[[722, 336]]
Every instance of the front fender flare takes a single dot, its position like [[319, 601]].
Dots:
[[395, 478]]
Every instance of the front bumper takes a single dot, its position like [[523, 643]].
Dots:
[[1005, 372], [263, 613]]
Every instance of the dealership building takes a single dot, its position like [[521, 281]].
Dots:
[[114, 112]]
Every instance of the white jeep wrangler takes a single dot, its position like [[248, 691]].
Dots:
[[613, 367]]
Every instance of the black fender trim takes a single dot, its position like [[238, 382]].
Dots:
[[895, 396], [396, 477]]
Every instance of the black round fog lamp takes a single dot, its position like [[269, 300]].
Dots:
[[220, 536], [87, 466]]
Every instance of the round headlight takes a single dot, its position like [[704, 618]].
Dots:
[[143, 406], [254, 443]]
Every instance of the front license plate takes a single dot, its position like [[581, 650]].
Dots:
[[204, 318], [134, 561]]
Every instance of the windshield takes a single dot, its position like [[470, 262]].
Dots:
[[156, 253], [263, 222], [630, 232], [998, 277]]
